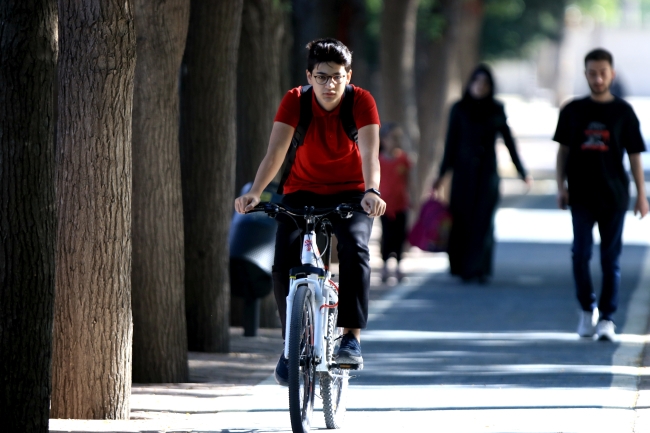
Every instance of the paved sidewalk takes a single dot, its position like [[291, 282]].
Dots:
[[444, 381], [465, 358], [214, 377]]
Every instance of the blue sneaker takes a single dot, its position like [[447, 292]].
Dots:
[[349, 353], [282, 371]]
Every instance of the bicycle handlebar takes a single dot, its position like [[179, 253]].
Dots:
[[344, 210]]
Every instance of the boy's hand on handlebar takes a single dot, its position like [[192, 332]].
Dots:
[[373, 204], [246, 202]]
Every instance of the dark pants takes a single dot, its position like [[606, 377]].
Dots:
[[352, 234], [393, 235], [610, 226]]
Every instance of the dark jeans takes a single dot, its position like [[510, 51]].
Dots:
[[393, 235], [610, 226], [352, 234]]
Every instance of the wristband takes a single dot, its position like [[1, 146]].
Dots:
[[372, 190]]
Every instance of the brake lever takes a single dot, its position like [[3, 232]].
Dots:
[[271, 210], [347, 209]]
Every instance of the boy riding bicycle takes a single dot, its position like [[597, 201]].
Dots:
[[329, 168]]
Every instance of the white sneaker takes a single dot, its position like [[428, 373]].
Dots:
[[605, 330], [587, 325]]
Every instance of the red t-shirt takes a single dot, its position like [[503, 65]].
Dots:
[[328, 162], [395, 181]]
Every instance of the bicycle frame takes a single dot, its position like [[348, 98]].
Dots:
[[323, 293]]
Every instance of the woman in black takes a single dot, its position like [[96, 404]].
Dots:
[[470, 154]]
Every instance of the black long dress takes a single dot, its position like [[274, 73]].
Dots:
[[470, 154]]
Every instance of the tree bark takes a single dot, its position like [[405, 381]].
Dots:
[[258, 84], [344, 20], [434, 82], [92, 326], [258, 97], [159, 329], [397, 55], [469, 35], [208, 159], [28, 53]]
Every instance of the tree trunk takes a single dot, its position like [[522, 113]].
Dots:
[[258, 94], [433, 90], [397, 40], [159, 330], [92, 325], [258, 97], [27, 218], [344, 20], [208, 158], [307, 21], [469, 37]]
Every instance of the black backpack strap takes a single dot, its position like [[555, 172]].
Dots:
[[347, 119], [306, 114]]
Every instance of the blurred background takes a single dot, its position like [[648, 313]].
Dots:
[[415, 57]]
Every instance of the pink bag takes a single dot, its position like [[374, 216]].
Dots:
[[431, 230]]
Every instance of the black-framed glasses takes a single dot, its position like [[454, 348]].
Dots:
[[324, 79]]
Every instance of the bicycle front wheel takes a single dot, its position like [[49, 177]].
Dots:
[[302, 368], [333, 384]]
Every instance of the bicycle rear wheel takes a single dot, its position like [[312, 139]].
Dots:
[[333, 385], [302, 368]]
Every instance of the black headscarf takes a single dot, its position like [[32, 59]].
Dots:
[[484, 106]]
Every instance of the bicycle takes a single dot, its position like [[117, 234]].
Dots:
[[311, 334]]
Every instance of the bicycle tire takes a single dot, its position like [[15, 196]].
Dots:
[[302, 368], [334, 385]]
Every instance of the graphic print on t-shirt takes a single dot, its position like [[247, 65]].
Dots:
[[597, 137]]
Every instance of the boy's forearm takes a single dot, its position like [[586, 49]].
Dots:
[[369, 149], [278, 145], [371, 174], [265, 174]]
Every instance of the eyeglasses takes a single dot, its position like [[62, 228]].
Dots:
[[324, 79]]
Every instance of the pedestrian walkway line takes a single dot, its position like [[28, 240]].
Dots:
[[636, 323], [519, 369], [446, 397], [554, 226], [378, 307], [395, 335]]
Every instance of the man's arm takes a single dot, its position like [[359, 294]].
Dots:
[[641, 205], [279, 142], [560, 176], [368, 141]]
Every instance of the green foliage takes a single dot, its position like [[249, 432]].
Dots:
[[645, 11], [430, 19], [601, 10], [511, 27], [373, 9], [431, 22]]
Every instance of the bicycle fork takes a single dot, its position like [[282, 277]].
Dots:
[[321, 294]]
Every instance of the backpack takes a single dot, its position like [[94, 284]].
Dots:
[[306, 114]]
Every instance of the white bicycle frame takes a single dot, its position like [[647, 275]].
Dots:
[[322, 293]]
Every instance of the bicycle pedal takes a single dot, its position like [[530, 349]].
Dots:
[[348, 366]]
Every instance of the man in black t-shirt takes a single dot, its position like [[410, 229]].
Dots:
[[594, 134]]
